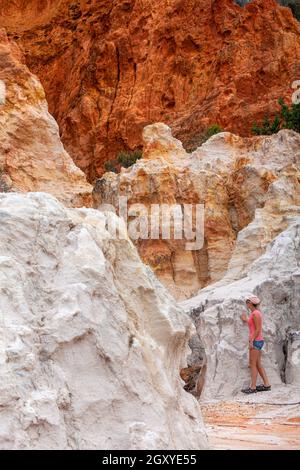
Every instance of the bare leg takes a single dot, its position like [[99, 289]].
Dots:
[[262, 371], [253, 365], [249, 364]]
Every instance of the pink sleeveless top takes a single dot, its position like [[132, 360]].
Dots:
[[251, 325]]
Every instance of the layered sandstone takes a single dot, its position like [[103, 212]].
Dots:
[[249, 188], [110, 68], [32, 157], [91, 343]]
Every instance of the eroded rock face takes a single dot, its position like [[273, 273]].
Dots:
[[249, 186], [91, 343], [32, 157], [110, 68], [275, 278]]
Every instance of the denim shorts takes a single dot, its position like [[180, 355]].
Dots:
[[258, 345]]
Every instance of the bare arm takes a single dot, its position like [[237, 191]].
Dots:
[[244, 317]]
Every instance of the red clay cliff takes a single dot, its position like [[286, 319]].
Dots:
[[111, 67]]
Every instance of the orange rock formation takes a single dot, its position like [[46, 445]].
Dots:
[[111, 67], [32, 157]]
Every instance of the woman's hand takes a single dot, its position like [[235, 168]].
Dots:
[[250, 344], [244, 317]]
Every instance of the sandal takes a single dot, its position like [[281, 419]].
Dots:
[[263, 388], [249, 390]]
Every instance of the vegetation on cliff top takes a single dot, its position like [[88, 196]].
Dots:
[[294, 5], [288, 118], [124, 159]]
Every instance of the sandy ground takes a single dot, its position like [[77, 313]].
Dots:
[[266, 420]]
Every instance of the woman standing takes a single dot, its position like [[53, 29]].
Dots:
[[256, 342]]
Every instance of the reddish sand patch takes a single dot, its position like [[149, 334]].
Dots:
[[251, 426]]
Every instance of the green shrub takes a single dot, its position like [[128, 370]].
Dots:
[[294, 5], [268, 127], [127, 159], [111, 165], [212, 130], [124, 159], [288, 118], [242, 3]]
